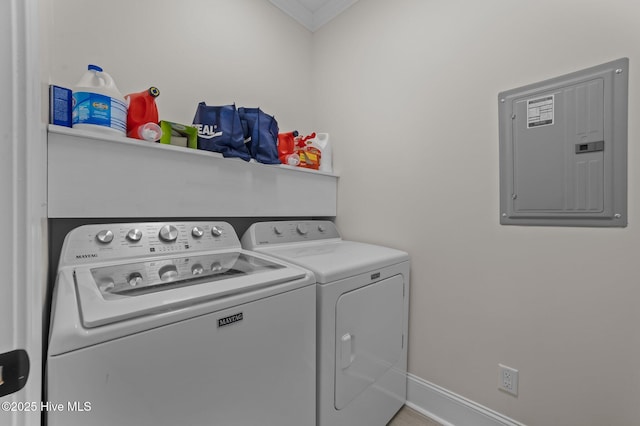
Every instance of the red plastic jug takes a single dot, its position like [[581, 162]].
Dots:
[[286, 148], [142, 110]]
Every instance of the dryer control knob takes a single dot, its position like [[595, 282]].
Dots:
[[134, 235], [105, 236], [322, 228], [216, 231], [302, 229], [197, 232], [168, 233], [277, 229], [216, 267], [134, 279]]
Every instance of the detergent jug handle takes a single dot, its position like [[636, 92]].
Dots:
[[108, 80]]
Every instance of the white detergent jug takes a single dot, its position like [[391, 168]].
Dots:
[[322, 142], [98, 104]]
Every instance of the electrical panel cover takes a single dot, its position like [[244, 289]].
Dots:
[[563, 149]]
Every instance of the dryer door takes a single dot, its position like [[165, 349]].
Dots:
[[369, 336]]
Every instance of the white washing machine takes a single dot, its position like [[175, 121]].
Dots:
[[363, 304], [164, 324]]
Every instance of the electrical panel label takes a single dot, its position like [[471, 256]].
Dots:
[[540, 111]]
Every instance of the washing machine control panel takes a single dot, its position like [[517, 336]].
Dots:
[[148, 276], [94, 243], [267, 233]]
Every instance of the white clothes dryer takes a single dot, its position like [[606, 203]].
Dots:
[[164, 324], [362, 309]]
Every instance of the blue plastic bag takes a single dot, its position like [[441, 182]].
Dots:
[[260, 134], [219, 130]]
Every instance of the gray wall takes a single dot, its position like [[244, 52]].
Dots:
[[217, 51], [408, 90]]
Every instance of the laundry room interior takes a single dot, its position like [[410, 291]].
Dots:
[[409, 93]]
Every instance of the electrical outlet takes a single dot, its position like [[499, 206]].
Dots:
[[508, 379]]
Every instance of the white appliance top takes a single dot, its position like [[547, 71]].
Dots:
[[128, 270], [318, 246]]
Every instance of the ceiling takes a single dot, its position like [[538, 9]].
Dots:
[[313, 14]]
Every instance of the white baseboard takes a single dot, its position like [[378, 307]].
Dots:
[[451, 409]]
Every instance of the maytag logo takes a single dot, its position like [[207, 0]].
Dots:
[[230, 319], [207, 131], [375, 276], [86, 256]]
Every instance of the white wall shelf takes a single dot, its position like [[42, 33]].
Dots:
[[92, 175]]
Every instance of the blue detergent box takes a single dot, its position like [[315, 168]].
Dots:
[[60, 105]]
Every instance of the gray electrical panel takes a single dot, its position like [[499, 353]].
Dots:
[[563, 149]]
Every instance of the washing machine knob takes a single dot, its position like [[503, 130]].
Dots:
[[277, 229], [105, 236], [302, 229], [216, 267], [197, 269], [322, 228], [168, 233], [107, 284], [134, 279], [216, 231], [134, 235], [168, 272], [197, 232]]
